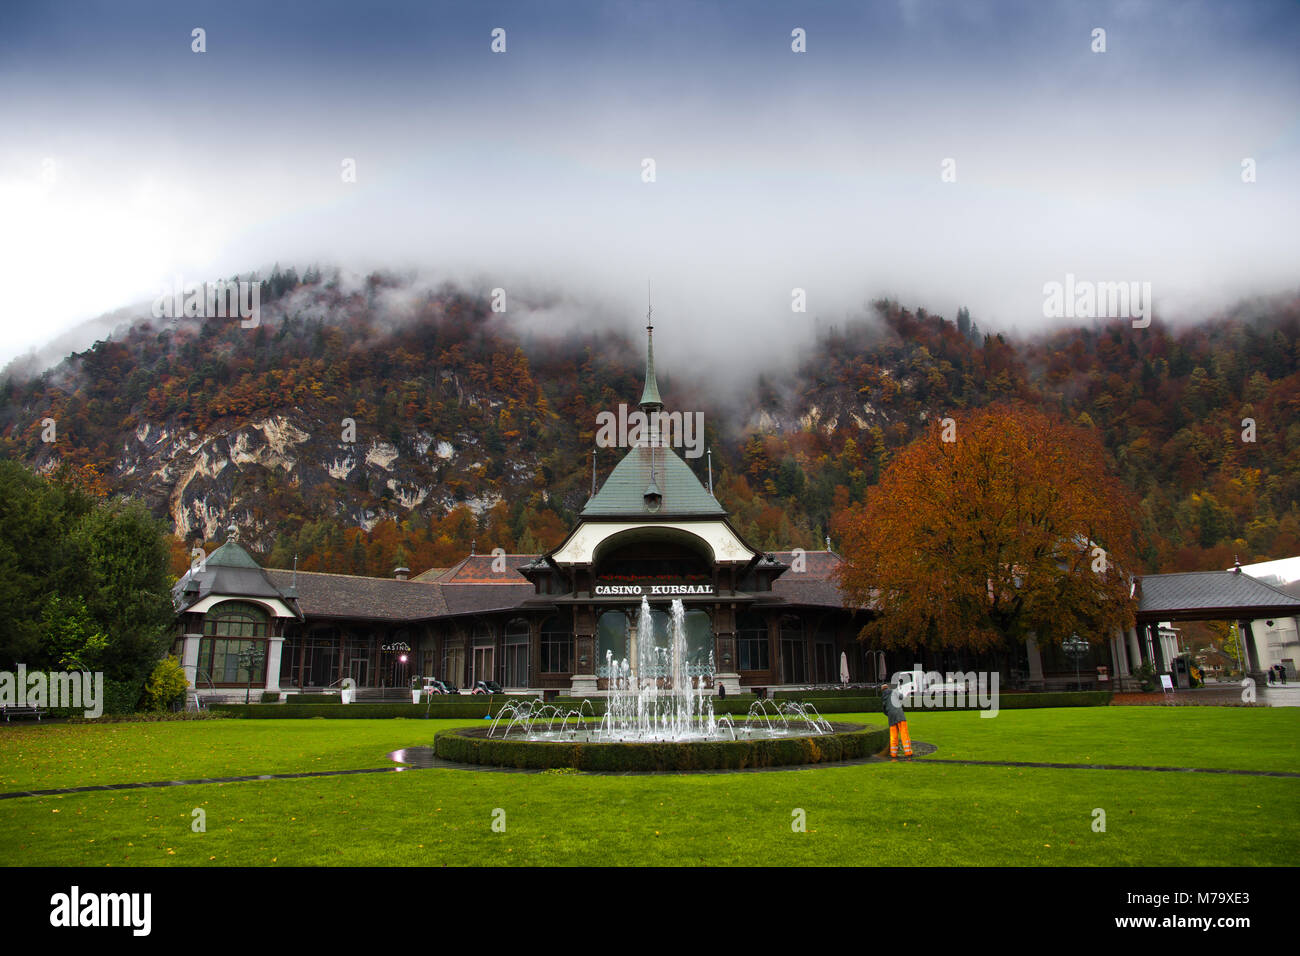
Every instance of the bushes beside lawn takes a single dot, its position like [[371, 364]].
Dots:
[[465, 706], [848, 742], [839, 702]]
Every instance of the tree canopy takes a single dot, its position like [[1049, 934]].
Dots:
[[83, 580], [1012, 526]]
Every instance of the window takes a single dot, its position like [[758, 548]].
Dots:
[[228, 661], [235, 619], [516, 651], [827, 669], [557, 647], [751, 643], [226, 653], [453, 664], [699, 636], [793, 649], [312, 659], [611, 639]]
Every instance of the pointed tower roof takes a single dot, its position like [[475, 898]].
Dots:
[[652, 480], [650, 400], [643, 471], [228, 572], [231, 555]]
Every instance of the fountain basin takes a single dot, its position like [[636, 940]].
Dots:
[[472, 745]]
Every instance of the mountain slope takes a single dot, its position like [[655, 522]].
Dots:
[[359, 426]]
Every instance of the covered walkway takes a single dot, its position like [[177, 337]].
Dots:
[[1196, 596]]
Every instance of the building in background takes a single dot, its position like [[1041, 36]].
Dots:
[[552, 622], [562, 621], [1277, 638]]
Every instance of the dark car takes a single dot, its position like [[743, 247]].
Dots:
[[486, 687], [434, 686]]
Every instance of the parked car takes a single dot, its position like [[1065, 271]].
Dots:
[[486, 687], [434, 686]]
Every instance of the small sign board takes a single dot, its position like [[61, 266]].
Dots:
[[1103, 673], [1166, 682]]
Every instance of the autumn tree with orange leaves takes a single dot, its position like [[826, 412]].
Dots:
[[1012, 525]]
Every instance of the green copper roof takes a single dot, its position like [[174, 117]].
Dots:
[[231, 555], [623, 493], [650, 394]]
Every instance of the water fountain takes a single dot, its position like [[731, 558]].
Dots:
[[659, 715]]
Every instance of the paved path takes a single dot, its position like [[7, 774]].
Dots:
[[1214, 694], [1280, 695], [185, 783]]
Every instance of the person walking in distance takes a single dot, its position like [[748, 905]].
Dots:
[[900, 743]]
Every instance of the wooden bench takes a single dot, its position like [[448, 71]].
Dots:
[[12, 712]]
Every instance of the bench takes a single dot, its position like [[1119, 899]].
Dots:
[[12, 712]]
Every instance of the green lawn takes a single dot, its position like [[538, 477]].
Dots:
[[70, 755], [1237, 738], [881, 813]]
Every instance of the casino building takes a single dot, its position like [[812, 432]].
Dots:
[[554, 622], [549, 622]]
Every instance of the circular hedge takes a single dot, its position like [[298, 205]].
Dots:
[[844, 742]]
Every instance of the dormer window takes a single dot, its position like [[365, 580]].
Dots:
[[652, 497]]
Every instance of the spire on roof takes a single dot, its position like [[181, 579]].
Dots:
[[650, 400], [291, 592]]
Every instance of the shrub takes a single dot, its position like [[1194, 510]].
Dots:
[[121, 696], [165, 685], [455, 707], [846, 743], [150, 717]]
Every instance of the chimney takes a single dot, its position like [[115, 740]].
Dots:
[[401, 573]]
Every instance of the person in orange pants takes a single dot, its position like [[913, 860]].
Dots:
[[900, 742]]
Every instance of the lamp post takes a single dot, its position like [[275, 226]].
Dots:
[[249, 658], [1076, 648]]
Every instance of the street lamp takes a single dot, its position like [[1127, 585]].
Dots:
[[249, 658], [1076, 648]]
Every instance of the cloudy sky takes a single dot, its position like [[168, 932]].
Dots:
[[127, 158]]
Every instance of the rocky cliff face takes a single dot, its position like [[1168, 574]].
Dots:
[[203, 482], [338, 418]]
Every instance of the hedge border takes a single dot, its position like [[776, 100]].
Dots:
[[465, 706], [1006, 701], [470, 745]]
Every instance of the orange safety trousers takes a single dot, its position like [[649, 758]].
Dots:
[[898, 735]]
